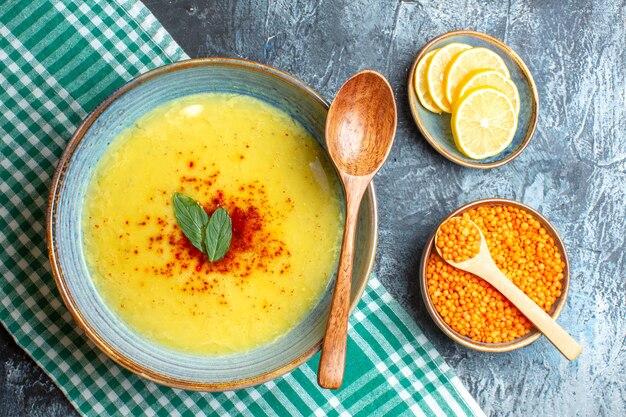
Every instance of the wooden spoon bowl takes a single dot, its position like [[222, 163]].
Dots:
[[361, 125]]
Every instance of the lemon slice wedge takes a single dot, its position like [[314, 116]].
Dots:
[[483, 123], [467, 62], [494, 79], [421, 84], [435, 73]]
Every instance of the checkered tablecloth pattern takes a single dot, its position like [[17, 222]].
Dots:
[[58, 60]]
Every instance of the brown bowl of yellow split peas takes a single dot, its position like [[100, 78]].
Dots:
[[526, 248]]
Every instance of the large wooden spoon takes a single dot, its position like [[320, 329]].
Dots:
[[483, 266], [360, 128]]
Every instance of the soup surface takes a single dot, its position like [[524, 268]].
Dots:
[[223, 150]]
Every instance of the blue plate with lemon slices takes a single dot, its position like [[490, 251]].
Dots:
[[436, 127]]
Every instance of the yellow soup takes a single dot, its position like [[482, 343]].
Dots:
[[223, 150]]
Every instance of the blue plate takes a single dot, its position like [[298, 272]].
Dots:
[[65, 243], [436, 127]]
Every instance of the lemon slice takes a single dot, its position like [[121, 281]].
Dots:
[[467, 62], [421, 85], [483, 123], [435, 70], [490, 78]]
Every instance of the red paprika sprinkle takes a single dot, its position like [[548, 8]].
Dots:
[[253, 247]]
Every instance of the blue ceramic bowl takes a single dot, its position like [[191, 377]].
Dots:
[[436, 127], [72, 177]]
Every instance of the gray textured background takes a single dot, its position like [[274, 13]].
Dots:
[[574, 171]]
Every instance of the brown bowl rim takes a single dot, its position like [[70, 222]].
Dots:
[[57, 272], [433, 142], [534, 333]]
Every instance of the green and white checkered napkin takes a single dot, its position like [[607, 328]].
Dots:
[[58, 60]]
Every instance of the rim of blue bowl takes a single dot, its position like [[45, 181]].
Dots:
[[432, 141], [58, 274]]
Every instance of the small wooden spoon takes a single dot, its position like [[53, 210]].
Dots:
[[483, 266], [360, 128]]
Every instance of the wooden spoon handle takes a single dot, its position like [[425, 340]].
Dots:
[[546, 324], [333, 358]]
